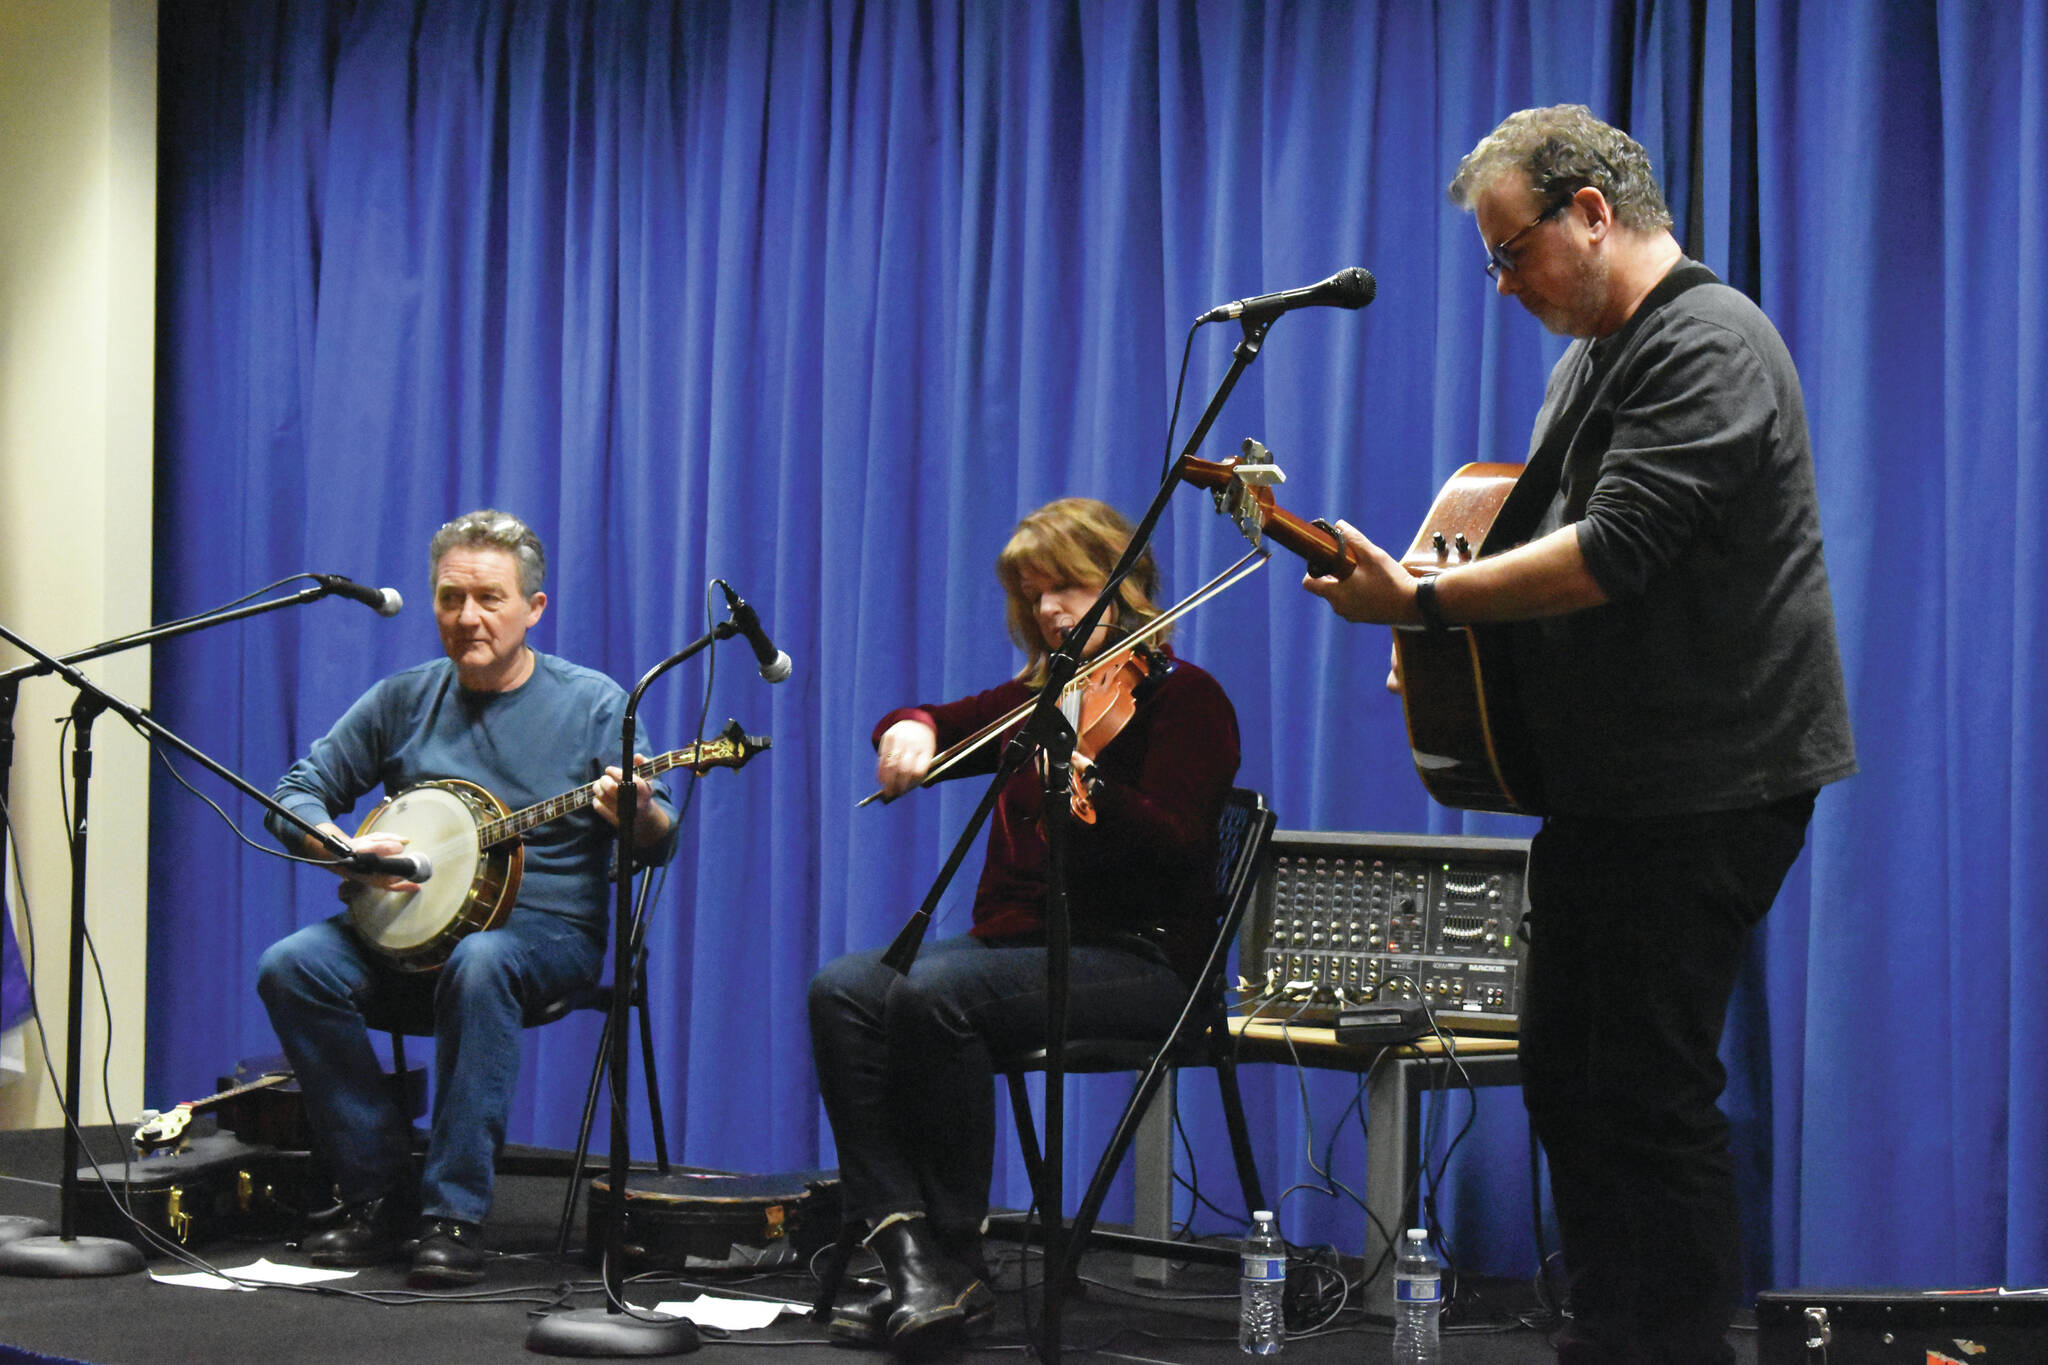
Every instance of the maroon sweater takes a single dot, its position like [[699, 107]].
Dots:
[[1148, 862]]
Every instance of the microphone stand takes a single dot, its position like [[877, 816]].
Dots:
[[902, 950], [12, 679], [1046, 730], [613, 1330], [68, 1255]]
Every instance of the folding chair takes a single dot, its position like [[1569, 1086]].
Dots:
[[409, 1020], [1201, 1038]]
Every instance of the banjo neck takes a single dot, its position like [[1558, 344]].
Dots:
[[732, 748]]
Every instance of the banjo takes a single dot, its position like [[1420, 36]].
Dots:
[[459, 825]]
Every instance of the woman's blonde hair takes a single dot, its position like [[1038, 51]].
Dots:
[[1077, 541]]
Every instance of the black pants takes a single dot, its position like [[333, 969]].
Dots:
[[1637, 931]]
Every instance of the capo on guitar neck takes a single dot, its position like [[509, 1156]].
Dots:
[[1328, 568]]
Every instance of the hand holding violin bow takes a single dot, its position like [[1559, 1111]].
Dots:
[[904, 757]]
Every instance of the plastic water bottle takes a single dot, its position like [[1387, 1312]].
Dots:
[[1418, 1299], [1263, 1282]]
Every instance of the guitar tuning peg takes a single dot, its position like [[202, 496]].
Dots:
[[1256, 465]]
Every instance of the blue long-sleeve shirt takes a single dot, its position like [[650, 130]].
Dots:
[[553, 733]]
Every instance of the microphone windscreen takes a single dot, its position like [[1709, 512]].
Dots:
[[1359, 287]]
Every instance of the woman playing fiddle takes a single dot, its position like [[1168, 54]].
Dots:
[[905, 1060]]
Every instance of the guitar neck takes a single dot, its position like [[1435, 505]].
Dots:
[[1255, 509]]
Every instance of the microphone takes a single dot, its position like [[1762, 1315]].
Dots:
[[775, 664], [383, 601], [1353, 288], [414, 867]]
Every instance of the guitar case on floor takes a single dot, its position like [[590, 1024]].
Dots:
[[254, 1179], [217, 1187], [1900, 1326]]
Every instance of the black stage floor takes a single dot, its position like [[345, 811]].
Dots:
[[130, 1320]]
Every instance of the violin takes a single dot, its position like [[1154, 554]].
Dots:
[[944, 762], [1108, 702]]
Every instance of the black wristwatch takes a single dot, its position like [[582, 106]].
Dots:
[[1426, 606]]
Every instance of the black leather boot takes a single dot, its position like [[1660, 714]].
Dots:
[[935, 1302], [962, 1244], [447, 1252], [361, 1232], [863, 1321]]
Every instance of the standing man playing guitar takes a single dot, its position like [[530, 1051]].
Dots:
[[1675, 659], [524, 726]]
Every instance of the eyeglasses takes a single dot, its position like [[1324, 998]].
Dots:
[[1497, 257]]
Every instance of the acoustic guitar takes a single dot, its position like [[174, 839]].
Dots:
[[463, 829], [1464, 715], [1465, 730]]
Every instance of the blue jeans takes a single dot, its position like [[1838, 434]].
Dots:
[[906, 1062], [1637, 931], [317, 983]]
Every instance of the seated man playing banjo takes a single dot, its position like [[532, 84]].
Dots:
[[526, 728]]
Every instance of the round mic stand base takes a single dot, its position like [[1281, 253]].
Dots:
[[15, 1226], [69, 1258], [602, 1332]]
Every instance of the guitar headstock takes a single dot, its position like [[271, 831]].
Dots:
[[1247, 496], [1243, 489]]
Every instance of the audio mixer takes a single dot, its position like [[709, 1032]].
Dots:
[[1343, 923]]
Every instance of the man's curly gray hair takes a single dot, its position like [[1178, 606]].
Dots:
[[1563, 149], [489, 528]]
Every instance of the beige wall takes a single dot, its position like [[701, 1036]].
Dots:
[[77, 319]]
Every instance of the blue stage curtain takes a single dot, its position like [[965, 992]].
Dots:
[[820, 296], [14, 995]]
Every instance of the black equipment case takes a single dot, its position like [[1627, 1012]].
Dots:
[[217, 1187], [716, 1220], [1902, 1327]]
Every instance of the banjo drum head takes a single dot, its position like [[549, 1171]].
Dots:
[[440, 824]]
